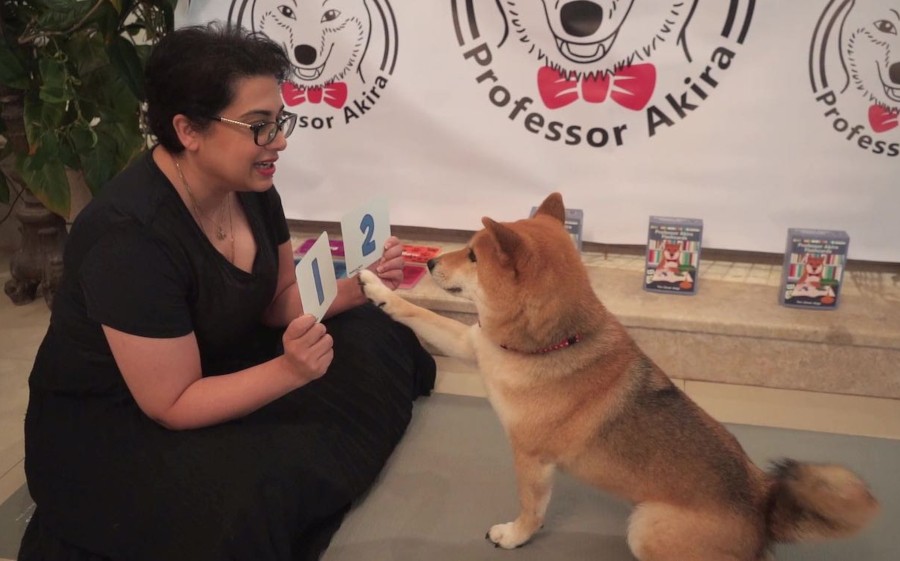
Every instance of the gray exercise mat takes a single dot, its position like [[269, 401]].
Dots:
[[451, 478], [15, 512]]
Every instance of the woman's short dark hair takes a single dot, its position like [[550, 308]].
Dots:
[[192, 71]]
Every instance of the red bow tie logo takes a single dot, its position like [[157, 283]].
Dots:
[[334, 94], [881, 118], [630, 87]]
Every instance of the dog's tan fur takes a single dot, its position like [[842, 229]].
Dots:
[[603, 411]]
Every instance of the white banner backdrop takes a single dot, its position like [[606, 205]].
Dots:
[[752, 116]]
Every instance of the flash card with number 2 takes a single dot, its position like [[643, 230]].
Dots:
[[365, 231], [315, 276]]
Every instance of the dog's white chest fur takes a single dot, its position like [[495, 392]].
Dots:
[[504, 373]]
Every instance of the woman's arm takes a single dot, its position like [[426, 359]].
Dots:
[[165, 378], [286, 305]]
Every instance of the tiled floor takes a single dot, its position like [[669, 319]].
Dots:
[[21, 330], [22, 327]]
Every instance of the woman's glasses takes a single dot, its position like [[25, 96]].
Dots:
[[265, 132]]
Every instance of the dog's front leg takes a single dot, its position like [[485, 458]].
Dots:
[[535, 481], [447, 335]]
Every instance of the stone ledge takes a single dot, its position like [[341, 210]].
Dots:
[[730, 332], [737, 333]]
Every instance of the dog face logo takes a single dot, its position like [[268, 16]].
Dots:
[[813, 265], [671, 256], [586, 37], [325, 42], [871, 54], [629, 63], [855, 71], [671, 259], [329, 43], [809, 280]]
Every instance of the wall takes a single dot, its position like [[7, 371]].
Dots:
[[754, 116]]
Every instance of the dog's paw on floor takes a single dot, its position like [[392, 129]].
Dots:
[[507, 536]]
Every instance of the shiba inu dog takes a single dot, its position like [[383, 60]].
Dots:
[[810, 284], [669, 268], [574, 392], [870, 51], [813, 266]]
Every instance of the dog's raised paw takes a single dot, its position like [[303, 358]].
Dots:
[[507, 536], [373, 289]]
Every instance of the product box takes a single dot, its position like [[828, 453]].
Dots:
[[574, 224], [416, 259], [814, 262], [337, 255], [673, 255], [419, 254]]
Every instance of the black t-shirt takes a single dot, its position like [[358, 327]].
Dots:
[[272, 485], [137, 261]]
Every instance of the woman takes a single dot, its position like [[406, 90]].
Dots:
[[165, 421]]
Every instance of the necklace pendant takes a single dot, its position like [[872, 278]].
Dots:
[[220, 233]]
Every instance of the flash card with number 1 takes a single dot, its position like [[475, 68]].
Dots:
[[315, 276], [365, 231]]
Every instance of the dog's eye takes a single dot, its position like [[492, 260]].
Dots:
[[286, 11], [885, 26], [331, 15], [472, 256]]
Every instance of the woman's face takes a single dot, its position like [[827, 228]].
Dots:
[[232, 159]]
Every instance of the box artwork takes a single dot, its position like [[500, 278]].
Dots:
[[673, 255], [814, 262]]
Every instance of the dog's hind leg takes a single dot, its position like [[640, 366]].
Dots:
[[661, 532], [449, 336], [535, 482]]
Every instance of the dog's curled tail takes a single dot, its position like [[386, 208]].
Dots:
[[813, 502]]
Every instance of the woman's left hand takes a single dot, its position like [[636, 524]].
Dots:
[[390, 267]]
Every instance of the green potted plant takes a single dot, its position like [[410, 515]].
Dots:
[[70, 98]]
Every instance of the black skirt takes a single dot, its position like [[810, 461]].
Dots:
[[273, 485]]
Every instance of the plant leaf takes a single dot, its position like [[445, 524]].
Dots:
[[12, 72], [97, 164], [125, 60], [61, 15], [53, 77], [82, 137], [41, 117], [68, 156], [87, 53], [49, 184]]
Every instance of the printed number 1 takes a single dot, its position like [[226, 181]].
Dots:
[[318, 279], [367, 227]]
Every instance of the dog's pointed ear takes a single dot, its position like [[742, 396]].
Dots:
[[508, 242], [553, 206]]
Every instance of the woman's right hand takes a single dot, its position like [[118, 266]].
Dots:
[[308, 347], [164, 375]]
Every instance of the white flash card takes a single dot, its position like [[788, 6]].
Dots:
[[315, 276], [365, 231]]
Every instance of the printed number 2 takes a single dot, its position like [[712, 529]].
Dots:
[[318, 279], [367, 227]]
